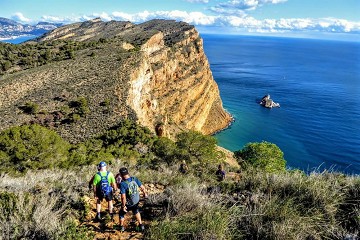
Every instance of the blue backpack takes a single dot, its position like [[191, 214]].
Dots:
[[104, 186]]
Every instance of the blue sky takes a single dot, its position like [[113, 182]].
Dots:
[[282, 17]]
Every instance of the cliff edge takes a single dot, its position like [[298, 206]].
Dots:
[[155, 72]]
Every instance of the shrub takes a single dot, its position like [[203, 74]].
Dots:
[[74, 117], [166, 150], [122, 139], [189, 213], [105, 103], [31, 147], [71, 231], [30, 108], [198, 148], [211, 223], [349, 209], [5, 65], [44, 204], [292, 205], [26, 216], [264, 155], [88, 153], [69, 54], [81, 106]]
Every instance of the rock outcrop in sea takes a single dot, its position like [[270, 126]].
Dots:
[[267, 102], [155, 72]]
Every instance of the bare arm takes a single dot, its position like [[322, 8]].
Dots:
[[123, 200], [143, 189], [114, 186], [94, 188]]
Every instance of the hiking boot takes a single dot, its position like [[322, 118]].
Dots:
[[98, 217], [112, 217], [140, 228]]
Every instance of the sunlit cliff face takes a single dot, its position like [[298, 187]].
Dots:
[[173, 88]]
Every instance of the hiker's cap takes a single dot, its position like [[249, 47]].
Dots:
[[123, 171], [102, 164]]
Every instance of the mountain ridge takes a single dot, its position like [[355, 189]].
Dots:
[[155, 72], [10, 29]]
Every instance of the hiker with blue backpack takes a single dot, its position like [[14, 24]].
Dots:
[[130, 197], [103, 185]]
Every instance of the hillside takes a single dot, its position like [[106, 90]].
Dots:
[[85, 77]]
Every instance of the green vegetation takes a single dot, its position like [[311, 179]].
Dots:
[[31, 147], [264, 202], [196, 147], [81, 106], [30, 108], [36, 147], [207, 223], [266, 156], [36, 208], [25, 56], [288, 205]]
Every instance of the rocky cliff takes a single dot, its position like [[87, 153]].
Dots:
[[155, 72]]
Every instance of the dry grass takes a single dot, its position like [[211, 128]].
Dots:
[[290, 205], [39, 204], [32, 216]]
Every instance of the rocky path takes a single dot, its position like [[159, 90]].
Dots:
[[109, 230]]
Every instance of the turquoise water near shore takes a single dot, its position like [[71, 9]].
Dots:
[[317, 83]]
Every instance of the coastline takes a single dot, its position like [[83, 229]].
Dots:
[[8, 39], [232, 120]]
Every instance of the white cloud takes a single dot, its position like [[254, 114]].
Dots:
[[58, 19], [236, 22], [198, 1], [293, 24], [104, 16], [241, 5], [18, 16], [227, 11], [197, 18], [125, 16]]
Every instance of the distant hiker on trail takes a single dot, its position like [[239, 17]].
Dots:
[[130, 197], [220, 173], [103, 185], [183, 167]]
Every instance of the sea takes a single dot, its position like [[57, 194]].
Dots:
[[316, 82], [18, 40]]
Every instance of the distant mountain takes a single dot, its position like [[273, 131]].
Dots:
[[12, 29]]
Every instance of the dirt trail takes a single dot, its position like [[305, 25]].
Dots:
[[107, 229]]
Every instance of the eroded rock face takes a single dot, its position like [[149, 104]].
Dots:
[[174, 86], [155, 72]]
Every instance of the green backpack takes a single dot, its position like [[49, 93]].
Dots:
[[132, 193]]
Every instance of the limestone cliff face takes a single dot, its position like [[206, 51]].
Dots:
[[173, 87]]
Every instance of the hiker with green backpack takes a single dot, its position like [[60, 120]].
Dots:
[[104, 185], [130, 197]]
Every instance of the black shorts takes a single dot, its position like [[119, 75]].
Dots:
[[108, 197], [133, 208]]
